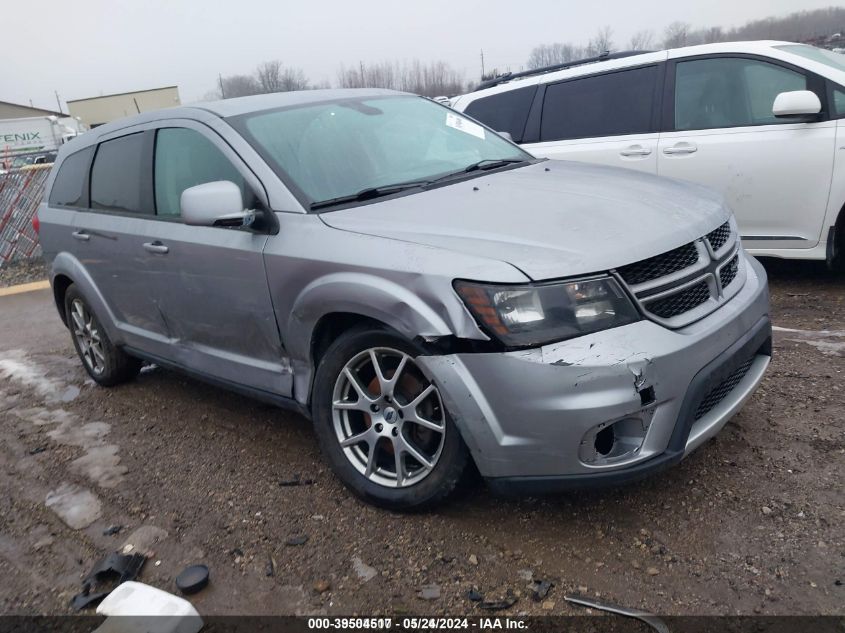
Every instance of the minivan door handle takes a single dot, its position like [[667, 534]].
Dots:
[[635, 150], [156, 247], [680, 148], [82, 236]]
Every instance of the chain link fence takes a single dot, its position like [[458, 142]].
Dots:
[[20, 194]]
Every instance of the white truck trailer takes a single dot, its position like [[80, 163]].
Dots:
[[27, 139]]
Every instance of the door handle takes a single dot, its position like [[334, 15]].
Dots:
[[82, 236], [680, 148], [635, 150], [156, 247]]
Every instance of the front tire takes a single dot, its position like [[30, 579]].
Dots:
[[382, 424], [106, 364]]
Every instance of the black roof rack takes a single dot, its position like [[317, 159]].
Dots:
[[498, 79]]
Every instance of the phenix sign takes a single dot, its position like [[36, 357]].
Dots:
[[24, 137]]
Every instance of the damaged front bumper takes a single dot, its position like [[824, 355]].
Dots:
[[609, 407]]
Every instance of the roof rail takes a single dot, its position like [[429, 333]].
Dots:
[[498, 79]]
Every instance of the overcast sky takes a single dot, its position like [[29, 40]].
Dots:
[[85, 48]]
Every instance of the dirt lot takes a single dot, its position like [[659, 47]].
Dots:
[[751, 523]]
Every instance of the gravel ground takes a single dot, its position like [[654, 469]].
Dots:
[[22, 271], [751, 523]]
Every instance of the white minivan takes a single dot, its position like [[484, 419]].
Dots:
[[761, 122]]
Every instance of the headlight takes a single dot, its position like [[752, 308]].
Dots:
[[536, 314]]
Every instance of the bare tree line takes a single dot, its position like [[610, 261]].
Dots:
[[801, 26], [430, 79], [269, 76], [439, 78]]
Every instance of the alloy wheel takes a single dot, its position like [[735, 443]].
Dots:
[[388, 417], [87, 334]]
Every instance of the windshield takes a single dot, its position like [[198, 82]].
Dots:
[[820, 55], [337, 149]]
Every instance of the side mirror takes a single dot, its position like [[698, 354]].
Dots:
[[218, 203], [796, 103], [506, 135]]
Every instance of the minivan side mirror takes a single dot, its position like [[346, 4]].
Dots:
[[506, 135], [218, 203], [796, 103]]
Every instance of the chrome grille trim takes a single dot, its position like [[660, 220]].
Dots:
[[677, 297]]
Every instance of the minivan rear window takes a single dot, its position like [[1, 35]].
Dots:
[[504, 112], [602, 105], [116, 175], [69, 187]]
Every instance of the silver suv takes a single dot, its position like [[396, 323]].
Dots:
[[427, 292]]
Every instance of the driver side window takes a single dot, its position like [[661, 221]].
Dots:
[[185, 158], [730, 92]]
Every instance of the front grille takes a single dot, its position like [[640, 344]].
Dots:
[[719, 393], [728, 273], [681, 302], [659, 265], [688, 282], [719, 237]]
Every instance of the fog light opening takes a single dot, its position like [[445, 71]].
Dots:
[[605, 439]]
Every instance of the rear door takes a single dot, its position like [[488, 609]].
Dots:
[[210, 281], [110, 236], [610, 118], [774, 173]]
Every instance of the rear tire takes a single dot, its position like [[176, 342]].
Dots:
[[106, 364], [387, 435]]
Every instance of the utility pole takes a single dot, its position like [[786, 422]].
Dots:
[[222, 92], [58, 101], [482, 63]]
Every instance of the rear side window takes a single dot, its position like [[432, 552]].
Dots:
[[185, 158], [730, 92], [69, 187], [504, 112], [117, 174], [603, 105]]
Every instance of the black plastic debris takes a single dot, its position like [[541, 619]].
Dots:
[[474, 596], [297, 540], [107, 574], [270, 567], [541, 590], [192, 579], [38, 449], [112, 530], [296, 480]]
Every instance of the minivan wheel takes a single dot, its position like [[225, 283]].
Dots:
[[105, 363], [382, 424]]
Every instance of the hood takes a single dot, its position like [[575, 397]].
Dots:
[[550, 219]]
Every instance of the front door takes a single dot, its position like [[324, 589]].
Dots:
[[774, 173], [211, 281]]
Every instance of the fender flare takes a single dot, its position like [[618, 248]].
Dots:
[[397, 306], [69, 266]]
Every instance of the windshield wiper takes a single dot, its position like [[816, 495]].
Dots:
[[482, 165], [369, 193], [492, 163]]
